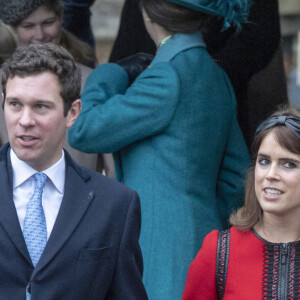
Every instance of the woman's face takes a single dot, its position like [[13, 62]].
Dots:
[[277, 179], [41, 26]]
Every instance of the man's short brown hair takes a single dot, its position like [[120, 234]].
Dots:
[[48, 57]]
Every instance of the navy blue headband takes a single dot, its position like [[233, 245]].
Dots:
[[291, 122]]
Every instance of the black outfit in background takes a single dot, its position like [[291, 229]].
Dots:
[[240, 55], [132, 36], [77, 16]]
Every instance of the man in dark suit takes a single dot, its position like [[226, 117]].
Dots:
[[65, 232]]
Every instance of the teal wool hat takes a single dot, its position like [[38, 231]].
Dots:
[[234, 12]]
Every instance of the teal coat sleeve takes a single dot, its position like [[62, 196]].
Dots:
[[113, 116], [230, 192]]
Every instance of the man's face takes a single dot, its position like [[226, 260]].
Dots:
[[34, 115]]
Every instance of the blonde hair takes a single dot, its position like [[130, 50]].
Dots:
[[82, 52], [8, 41]]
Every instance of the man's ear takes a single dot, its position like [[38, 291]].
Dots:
[[73, 112]]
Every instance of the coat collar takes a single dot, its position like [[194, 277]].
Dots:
[[176, 44], [76, 200], [8, 215]]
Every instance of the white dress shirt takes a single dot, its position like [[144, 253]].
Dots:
[[23, 188]]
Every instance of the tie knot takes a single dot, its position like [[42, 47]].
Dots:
[[40, 179]]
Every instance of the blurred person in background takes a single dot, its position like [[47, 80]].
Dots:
[[8, 44]]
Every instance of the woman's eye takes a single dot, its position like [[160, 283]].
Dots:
[[289, 165], [263, 161], [50, 22], [27, 26]]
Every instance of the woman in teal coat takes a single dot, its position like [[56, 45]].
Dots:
[[174, 135]]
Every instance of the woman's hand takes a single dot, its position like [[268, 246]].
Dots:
[[135, 64]]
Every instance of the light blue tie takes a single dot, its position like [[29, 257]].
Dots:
[[35, 229]]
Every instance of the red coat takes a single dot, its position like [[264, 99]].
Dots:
[[252, 262]]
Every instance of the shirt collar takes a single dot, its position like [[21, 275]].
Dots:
[[177, 43], [22, 171]]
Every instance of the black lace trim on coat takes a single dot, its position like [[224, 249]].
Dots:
[[222, 261], [289, 263], [294, 285], [270, 272]]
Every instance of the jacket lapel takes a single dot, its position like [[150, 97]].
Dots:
[[76, 200], [8, 214]]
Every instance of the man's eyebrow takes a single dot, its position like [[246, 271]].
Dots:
[[11, 99], [34, 101]]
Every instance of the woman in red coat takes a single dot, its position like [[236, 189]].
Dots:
[[259, 257]]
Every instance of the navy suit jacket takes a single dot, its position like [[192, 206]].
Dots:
[[93, 250]]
